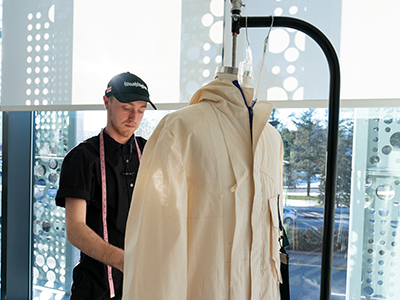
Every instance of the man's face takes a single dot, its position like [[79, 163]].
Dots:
[[124, 118]]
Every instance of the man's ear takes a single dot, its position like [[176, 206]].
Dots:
[[106, 102]]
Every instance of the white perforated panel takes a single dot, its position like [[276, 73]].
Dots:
[[52, 255], [380, 256]]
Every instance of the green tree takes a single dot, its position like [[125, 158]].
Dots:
[[290, 175], [288, 137], [274, 119], [310, 147], [344, 163]]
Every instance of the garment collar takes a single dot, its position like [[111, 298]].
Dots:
[[227, 97]]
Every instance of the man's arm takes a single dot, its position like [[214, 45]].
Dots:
[[85, 239]]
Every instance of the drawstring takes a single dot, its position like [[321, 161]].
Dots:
[[249, 108]]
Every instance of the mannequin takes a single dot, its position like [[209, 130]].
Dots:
[[203, 222], [231, 73]]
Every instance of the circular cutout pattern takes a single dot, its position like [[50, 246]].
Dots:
[[368, 291], [388, 120], [383, 212], [374, 159], [395, 140], [394, 224], [385, 192], [387, 150]]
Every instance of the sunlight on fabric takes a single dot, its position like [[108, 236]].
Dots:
[[160, 186]]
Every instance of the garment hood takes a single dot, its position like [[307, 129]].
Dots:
[[228, 97]]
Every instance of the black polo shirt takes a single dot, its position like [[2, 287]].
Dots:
[[81, 178]]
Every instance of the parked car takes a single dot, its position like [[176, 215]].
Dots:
[[289, 215]]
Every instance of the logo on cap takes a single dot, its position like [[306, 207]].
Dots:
[[135, 84]]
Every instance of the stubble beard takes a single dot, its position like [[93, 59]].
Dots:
[[121, 130]]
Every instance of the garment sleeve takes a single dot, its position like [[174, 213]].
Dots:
[[156, 233]]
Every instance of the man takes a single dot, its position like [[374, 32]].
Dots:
[[95, 224]]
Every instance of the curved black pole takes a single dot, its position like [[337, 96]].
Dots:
[[333, 129]]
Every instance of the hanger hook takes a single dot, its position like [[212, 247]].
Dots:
[[269, 32], [263, 59], [247, 35]]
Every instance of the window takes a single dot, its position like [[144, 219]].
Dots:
[[55, 133], [58, 57]]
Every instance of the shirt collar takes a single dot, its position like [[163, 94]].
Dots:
[[112, 145]]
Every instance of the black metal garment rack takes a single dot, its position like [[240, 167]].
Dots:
[[333, 128]]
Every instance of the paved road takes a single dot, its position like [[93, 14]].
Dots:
[[305, 267], [305, 276]]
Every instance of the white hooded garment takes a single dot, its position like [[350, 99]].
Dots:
[[203, 222]]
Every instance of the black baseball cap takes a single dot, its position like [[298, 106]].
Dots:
[[127, 87]]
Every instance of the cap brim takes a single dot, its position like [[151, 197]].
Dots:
[[126, 98]]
